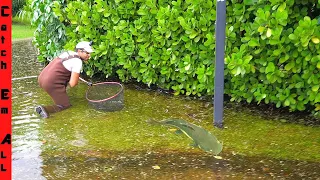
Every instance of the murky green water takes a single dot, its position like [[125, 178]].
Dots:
[[82, 143]]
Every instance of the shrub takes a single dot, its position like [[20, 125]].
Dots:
[[272, 47], [17, 5]]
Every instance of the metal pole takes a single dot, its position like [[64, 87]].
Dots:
[[219, 65]]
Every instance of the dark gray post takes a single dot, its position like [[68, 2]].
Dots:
[[219, 68]]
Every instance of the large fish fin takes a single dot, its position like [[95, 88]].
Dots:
[[186, 125], [178, 131], [194, 144]]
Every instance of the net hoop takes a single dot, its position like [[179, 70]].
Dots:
[[106, 99]]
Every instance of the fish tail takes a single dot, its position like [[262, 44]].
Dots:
[[152, 121]]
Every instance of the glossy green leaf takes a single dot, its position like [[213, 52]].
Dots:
[[253, 43], [270, 67]]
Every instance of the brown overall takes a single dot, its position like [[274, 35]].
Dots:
[[54, 79]]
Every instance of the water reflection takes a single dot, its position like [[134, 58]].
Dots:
[[26, 146], [26, 151]]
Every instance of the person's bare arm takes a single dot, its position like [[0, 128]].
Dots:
[[74, 79]]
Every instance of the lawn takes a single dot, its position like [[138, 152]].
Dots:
[[21, 29]]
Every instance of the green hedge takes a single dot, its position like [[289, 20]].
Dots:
[[50, 35], [17, 5], [272, 47]]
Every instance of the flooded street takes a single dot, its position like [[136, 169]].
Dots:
[[26, 148], [82, 143]]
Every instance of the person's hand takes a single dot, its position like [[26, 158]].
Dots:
[[88, 83]]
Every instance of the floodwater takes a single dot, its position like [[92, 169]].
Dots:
[[40, 150]]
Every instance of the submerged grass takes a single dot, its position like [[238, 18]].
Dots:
[[127, 131]]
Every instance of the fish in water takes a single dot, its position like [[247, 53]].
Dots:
[[201, 137]]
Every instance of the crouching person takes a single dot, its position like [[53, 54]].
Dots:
[[61, 71]]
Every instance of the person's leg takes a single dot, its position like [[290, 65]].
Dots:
[[45, 111], [61, 100], [42, 112]]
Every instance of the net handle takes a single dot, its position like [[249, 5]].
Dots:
[[108, 97], [83, 80]]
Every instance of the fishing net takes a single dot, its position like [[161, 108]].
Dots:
[[106, 96]]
